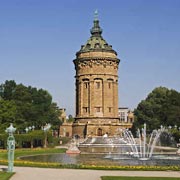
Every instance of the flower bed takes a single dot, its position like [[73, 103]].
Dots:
[[94, 167]]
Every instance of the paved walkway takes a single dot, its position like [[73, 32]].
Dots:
[[27, 173]]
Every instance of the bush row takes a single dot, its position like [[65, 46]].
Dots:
[[34, 138]]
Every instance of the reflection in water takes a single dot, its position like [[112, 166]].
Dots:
[[102, 159]]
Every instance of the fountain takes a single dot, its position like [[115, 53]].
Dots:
[[118, 150], [145, 150], [141, 147]]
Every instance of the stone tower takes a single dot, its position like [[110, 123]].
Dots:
[[96, 66]]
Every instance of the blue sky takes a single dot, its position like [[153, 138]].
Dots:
[[39, 40]]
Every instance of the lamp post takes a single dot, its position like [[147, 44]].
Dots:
[[46, 129], [170, 127], [33, 127], [30, 128], [26, 129], [10, 146]]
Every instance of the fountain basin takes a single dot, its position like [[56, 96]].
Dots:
[[104, 159], [104, 148]]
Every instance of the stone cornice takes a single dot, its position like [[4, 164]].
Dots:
[[89, 62], [90, 75], [96, 50], [97, 118], [96, 58]]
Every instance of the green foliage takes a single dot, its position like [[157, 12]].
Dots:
[[56, 141], [176, 134], [26, 152], [65, 140], [26, 106], [30, 138], [8, 113], [3, 140], [5, 175], [161, 107], [166, 139]]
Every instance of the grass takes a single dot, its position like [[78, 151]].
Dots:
[[26, 152], [137, 178], [5, 175]]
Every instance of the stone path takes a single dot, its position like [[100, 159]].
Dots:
[[27, 173]]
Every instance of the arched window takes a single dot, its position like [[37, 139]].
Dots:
[[98, 82], [86, 83], [110, 81]]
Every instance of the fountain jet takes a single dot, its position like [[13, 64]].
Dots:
[[144, 149]]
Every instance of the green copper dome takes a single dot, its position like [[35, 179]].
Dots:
[[96, 41]]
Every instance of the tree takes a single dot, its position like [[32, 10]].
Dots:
[[161, 107], [8, 113], [7, 89], [31, 106]]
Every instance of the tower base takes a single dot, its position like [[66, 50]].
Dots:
[[98, 127]]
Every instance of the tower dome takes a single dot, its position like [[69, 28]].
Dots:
[[96, 41]]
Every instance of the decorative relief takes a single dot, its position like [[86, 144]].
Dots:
[[97, 62]]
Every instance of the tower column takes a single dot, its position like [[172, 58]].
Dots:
[[104, 104], [81, 99], [103, 96], [91, 106], [115, 98]]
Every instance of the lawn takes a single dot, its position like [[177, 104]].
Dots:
[[137, 178], [26, 152], [5, 175]]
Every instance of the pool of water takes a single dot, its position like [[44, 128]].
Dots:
[[104, 159]]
